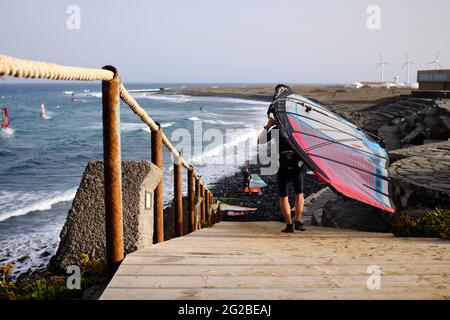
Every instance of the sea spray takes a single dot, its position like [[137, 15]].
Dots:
[[31, 202]]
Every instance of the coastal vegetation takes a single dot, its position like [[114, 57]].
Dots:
[[50, 285], [432, 224]]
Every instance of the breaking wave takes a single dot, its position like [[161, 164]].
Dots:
[[25, 203]]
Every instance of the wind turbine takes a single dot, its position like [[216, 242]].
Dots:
[[436, 62], [407, 63], [382, 64]]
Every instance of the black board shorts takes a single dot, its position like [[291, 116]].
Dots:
[[285, 175]]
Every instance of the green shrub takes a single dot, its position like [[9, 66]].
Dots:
[[432, 224], [6, 285], [50, 286]]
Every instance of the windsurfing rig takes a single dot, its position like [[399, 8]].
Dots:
[[342, 155], [5, 118]]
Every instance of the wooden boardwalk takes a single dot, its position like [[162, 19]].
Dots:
[[253, 260]]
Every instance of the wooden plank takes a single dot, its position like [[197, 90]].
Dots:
[[243, 260], [255, 261], [252, 270], [273, 282], [275, 294]]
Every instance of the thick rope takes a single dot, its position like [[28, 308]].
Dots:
[[19, 68], [140, 112]]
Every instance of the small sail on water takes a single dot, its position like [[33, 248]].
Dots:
[[5, 118]]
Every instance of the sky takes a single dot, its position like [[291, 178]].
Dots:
[[230, 41]]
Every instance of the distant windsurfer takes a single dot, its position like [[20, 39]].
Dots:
[[5, 118], [290, 170], [42, 112]]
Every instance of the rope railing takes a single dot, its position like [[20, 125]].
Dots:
[[140, 112], [113, 90], [19, 68]]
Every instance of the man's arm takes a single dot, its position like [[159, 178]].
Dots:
[[265, 135]]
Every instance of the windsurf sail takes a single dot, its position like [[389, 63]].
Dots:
[[252, 190], [42, 112], [257, 181], [337, 151], [5, 118]]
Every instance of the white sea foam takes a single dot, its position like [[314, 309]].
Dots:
[[222, 122], [175, 98], [216, 154], [143, 90], [247, 108], [7, 132], [194, 119], [84, 94], [236, 100], [47, 115], [167, 124], [180, 98], [130, 126], [15, 204], [95, 94]]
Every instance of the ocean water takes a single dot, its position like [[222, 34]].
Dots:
[[42, 160]]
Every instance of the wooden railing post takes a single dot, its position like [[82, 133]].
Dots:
[[219, 213], [112, 170], [207, 206], [210, 208], [158, 207], [191, 199], [178, 197], [214, 217], [198, 193], [202, 192]]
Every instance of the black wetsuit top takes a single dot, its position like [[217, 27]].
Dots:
[[291, 166]]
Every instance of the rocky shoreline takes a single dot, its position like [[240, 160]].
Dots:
[[227, 190]]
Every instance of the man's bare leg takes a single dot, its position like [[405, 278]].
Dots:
[[286, 209], [299, 202]]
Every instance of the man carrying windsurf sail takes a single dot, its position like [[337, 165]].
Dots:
[[345, 157], [291, 169]]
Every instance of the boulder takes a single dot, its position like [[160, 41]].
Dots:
[[390, 136], [416, 136], [84, 230], [350, 214]]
